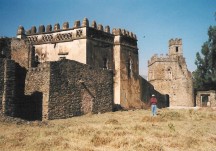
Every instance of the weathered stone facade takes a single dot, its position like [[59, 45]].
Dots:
[[169, 75], [60, 73], [206, 98], [70, 88], [96, 46]]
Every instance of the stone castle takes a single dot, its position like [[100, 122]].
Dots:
[[169, 75], [50, 73]]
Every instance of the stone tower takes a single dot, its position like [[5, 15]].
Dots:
[[175, 47], [169, 75], [126, 80]]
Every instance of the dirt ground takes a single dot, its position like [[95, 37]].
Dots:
[[135, 130]]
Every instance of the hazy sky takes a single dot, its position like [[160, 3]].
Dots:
[[153, 21]]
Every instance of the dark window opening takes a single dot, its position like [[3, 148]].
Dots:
[[129, 67], [36, 61], [61, 58], [205, 100], [105, 63], [176, 49]]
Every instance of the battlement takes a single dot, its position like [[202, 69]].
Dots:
[[177, 41], [123, 32], [162, 58], [49, 29]]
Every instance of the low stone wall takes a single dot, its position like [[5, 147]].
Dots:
[[147, 90], [77, 89]]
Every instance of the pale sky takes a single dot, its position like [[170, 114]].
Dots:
[[153, 21]]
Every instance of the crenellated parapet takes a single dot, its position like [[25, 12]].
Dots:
[[125, 37], [162, 58], [123, 32], [79, 30], [177, 41]]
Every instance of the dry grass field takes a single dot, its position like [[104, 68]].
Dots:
[[171, 130]]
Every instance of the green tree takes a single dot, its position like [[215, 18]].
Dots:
[[205, 74]]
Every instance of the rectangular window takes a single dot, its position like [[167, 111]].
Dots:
[[176, 49]]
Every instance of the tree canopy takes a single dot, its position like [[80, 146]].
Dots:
[[205, 74]]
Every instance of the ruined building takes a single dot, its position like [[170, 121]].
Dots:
[[169, 75], [54, 72]]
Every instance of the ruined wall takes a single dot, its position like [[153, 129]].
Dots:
[[22, 53], [169, 79], [37, 88], [210, 98], [147, 89], [1, 81], [77, 89], [9, 91], [18, 50], [5, 49], [169, 75]]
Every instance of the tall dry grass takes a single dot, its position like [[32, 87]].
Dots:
[[191, 130]]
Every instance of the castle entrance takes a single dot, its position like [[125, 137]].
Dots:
[[205, 100]]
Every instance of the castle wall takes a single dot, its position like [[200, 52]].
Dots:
[[37, 90], [126, 80], [169, 75], [147, 89], [5, 49], [130, 87], [9, 91], [22, 53], [168, 78], [1, 81], [99, 49], [210, 97], [69, 44], [77, 89]]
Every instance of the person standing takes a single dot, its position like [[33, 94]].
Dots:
[[153, 102]]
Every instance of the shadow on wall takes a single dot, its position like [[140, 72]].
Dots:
[[147, 90], [31, 108]]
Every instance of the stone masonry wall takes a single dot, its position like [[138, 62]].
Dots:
[[1, 80], [77, 89], [147, 90], [37, 91], [168, 77], [211, 98], [22, 53], [129, 79], [8, 100], [5, 50]]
